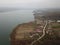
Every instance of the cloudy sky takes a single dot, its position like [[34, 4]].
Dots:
[[30, 3]]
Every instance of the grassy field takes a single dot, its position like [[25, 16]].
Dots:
[[56, 25]]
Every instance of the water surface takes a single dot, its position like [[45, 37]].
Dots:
[[9, 20]]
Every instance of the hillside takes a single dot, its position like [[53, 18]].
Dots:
[[21, 34]]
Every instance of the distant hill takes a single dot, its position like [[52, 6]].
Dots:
[[6, 9]]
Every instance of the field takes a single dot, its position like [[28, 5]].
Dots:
[[21, 35]]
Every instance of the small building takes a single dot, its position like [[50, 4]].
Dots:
[[21, 35], [50, 15], [47, 14]]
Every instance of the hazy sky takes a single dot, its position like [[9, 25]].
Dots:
[[30, 3]]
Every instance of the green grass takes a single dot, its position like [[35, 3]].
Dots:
[[56, 26]]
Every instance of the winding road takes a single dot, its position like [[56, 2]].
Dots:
[[42, 34]]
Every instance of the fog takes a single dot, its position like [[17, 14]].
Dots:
[[30, 4], [14, 12]]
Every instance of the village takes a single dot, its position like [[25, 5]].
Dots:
[[44, 30]]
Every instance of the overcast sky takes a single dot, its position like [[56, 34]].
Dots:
[[30, 3]]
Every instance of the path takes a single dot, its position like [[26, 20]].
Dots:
[[42, 34]]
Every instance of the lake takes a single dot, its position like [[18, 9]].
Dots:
[[9, 20]]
